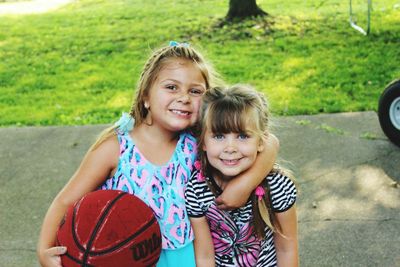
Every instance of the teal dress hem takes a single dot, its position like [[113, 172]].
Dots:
[[178, 257]]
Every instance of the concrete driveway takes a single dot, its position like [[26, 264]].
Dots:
[[347, 171]]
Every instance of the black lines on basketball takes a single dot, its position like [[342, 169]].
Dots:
[[97, 227], [110, 228]]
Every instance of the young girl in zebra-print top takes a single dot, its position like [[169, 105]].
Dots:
[[264, 231]]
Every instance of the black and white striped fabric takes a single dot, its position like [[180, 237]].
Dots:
[[235, 242]]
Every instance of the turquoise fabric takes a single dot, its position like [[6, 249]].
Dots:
[[182, 257], [162, 188]]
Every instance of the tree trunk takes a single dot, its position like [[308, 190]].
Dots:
[[243, 9]]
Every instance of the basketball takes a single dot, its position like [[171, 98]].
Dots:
[[109, 228]]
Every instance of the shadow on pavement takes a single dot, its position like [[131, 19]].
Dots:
[[347, 172]]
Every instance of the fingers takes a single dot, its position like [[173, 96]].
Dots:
[[221, 205], [55, 251], [51, 257]]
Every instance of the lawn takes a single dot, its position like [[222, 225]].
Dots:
[[80, 64]]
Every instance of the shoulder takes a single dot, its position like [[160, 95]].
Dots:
[[279, 179], [107, 151], [95, 168], [198, 188], [198, 196], [110, 144], [282, 190], [197, 182]]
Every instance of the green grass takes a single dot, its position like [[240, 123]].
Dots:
[[80, 64]]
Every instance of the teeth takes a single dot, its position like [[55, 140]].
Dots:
[[230, 161], [180, 112]]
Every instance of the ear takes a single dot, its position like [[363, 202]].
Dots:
[[260, 145], [204, 147]]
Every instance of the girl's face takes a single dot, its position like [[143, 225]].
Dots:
[[231, 153], [175, 97]]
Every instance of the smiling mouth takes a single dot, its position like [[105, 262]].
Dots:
[[230, 162], [180, 112]]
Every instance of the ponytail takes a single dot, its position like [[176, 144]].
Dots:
[[263, 213]]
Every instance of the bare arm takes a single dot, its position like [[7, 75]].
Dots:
[[287, 244], [203, 245], [94, 169], [238, 191]]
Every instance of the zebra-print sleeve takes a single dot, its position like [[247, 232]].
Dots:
[[192, 198], [283, 192]]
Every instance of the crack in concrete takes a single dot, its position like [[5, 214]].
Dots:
[[350, 220]]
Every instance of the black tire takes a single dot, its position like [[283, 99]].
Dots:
[[389, 112]]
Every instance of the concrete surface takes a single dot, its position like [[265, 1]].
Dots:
[[347, 172]]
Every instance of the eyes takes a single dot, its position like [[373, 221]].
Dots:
[[239, 136], [171, 87], [194, 92]]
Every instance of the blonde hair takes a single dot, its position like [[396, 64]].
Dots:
[[152, 67], [226, 110]]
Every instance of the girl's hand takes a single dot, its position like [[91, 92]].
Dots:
[[51, 256], [238, 195]]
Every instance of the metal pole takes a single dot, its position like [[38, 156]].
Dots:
[[354, 24]]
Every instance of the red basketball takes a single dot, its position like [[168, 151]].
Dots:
[[110, 228]]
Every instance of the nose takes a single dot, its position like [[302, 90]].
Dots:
[[230, 146], [184, 97]]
